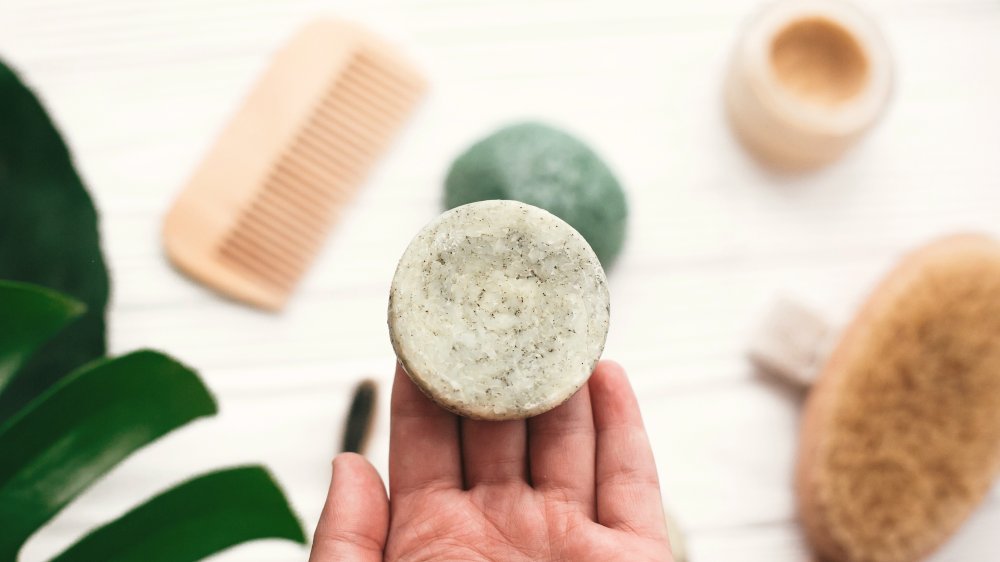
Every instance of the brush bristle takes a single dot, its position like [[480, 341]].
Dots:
[[902, 436]]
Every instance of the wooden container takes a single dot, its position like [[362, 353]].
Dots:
[[807, 79]]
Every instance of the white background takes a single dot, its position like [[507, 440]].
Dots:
[[141, 88]]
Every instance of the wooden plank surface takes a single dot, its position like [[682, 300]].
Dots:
[[141, 88]]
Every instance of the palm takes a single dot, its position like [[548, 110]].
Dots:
[[577, 483], [459, 525], [525, 525]]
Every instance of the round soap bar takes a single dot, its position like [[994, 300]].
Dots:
[[498, 310], [542, 166]]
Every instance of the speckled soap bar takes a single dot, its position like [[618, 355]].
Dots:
[[499, 310]]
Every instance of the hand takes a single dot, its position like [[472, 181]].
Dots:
[[575, 483]]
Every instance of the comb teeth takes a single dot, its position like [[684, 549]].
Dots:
[[258, 208], [280, 230]]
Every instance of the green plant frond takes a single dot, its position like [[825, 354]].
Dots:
[[83, 426], [29, 315], [48, 236], [193, 520], [67, 416]]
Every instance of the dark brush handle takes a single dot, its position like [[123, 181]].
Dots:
[[360, 417]]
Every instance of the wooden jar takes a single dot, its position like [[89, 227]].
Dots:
[[807, 79]]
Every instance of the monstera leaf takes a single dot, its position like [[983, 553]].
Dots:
[[48, 236], [91, 420], [68, 414]]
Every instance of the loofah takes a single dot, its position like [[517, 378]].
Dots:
[[901, 438]]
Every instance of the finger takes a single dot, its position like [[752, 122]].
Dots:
[[494, 452], [628, 490], [355, 519], [423, 441], [561, 452]]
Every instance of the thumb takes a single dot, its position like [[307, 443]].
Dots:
[[355, 519]]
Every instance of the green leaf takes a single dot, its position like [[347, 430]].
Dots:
[[82, 427], [193, 520], [48, 236], [29, 315]]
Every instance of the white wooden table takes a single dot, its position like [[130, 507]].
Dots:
[[140, 89]]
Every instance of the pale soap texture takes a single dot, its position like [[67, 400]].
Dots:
[[499, 310]]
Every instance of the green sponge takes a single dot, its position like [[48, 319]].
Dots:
[[548, 168]]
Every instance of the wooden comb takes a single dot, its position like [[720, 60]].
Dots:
[[258, 208]]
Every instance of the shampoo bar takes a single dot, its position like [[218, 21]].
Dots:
[[548, 168], [498, 310]]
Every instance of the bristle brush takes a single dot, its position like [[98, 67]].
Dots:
[[901, 433]]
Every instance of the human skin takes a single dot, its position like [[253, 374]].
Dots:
[[576, 483]]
